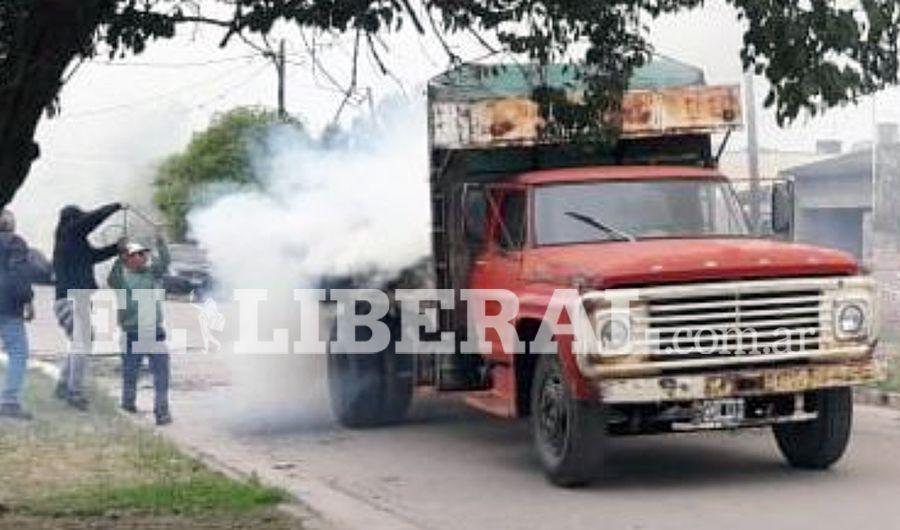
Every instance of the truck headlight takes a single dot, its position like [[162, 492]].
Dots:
[[613, 330], [851, 320], [615, 334]]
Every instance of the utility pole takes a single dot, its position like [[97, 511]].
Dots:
[[752, 149], [868, 242], [279, 67]]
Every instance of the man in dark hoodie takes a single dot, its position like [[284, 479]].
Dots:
[[73, 263]]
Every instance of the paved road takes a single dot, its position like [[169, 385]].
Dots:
[[450, 467]]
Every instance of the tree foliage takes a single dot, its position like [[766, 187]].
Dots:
[[816, 53], [222, 155]]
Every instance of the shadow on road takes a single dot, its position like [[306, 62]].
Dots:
[[643, 462], [445, 428]]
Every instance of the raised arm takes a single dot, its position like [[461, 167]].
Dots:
[[114, 280], [89, 221], [104, 253], [161, 263]]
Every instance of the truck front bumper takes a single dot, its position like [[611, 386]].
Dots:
[[739, 383]]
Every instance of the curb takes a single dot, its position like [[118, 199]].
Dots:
[[876, 397], [306, 516]]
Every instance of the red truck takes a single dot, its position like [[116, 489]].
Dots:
[[693, 322]]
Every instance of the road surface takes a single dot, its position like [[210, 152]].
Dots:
[[453, 468], [450, 467]]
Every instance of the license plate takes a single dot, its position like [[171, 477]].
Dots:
[[721, 411]]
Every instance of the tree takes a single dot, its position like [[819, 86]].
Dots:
[[220, 156], [816, 54]]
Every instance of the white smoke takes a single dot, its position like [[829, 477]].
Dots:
[[356, 207], [325, 211]]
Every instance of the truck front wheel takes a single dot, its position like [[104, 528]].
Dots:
[[568, 433], [819, 443]]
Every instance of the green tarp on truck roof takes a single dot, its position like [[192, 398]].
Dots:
[[474, 82]]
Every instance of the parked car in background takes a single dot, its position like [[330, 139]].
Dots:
[[189, 271]]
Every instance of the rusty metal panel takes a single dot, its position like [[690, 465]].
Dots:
[[699, 108], [640, 113], [517, 120], [738, 383], [485, 123]]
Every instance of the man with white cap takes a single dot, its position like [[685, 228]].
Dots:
[[140, 279]]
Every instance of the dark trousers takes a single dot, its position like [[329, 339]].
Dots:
[[159, 367]]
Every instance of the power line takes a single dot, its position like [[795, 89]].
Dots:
[[81, 161], [231, 88], [91, 159], [150, 99], [187, 64]]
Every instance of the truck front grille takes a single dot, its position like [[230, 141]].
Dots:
[[716, 326], [733, 322]]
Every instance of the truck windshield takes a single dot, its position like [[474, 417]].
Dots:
[[639, 208]]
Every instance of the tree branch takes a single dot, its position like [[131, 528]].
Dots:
[[415, 18], [352, 88], [178, 19], [454, 58], [481, 40], [380, 62], [317, 64]]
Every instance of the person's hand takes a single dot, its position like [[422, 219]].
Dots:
[[120, 244], [28, 312]]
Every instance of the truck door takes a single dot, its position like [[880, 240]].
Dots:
[[499, 266]]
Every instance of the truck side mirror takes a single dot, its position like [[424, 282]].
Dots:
[[783, 207], [475, 216]]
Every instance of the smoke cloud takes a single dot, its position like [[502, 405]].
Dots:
[[357, 206], [90, 162]]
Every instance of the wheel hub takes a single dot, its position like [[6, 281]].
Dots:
[[553, 415]]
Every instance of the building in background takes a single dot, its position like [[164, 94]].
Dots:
[[841, 202], [833, 202]]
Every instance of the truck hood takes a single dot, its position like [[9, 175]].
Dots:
[[619, 264]]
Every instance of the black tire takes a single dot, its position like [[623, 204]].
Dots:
[[369, 389], [819, 443], [568, 434]]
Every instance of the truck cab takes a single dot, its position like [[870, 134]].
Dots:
[[642, 300]]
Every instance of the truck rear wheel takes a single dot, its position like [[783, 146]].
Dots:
[[369, 389], [568, 433], [819, 443]]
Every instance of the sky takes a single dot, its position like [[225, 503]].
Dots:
[[120, 118]]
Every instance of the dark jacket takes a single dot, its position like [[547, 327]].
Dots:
[[73, 255], [15, 276]]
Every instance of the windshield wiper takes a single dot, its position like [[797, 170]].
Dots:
[[596, 223]]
